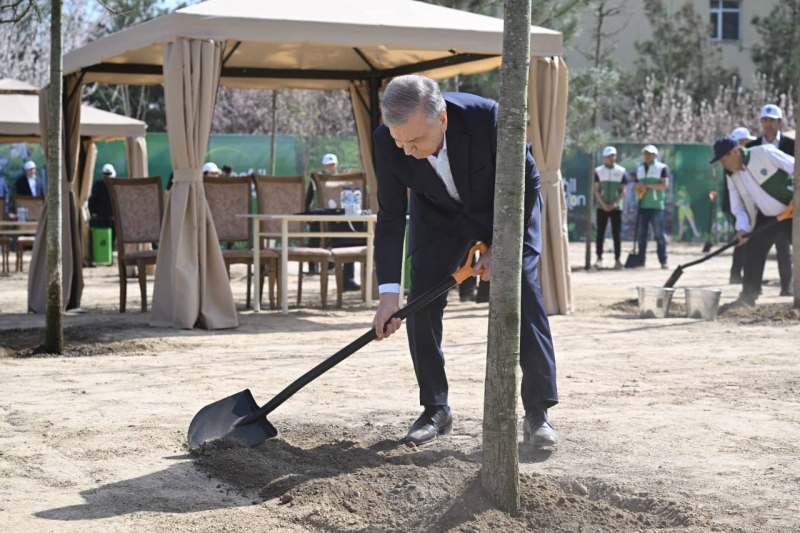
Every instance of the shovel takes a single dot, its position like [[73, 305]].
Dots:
[[635, 260], [239, 416], [673, 279]]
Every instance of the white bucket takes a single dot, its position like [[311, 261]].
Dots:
[[654, 301], [702, 303]]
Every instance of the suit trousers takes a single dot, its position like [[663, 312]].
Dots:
[[615, 216], [756, 251], [433, 262]]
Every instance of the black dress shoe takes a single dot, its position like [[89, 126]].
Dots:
[[434, 421], [537, 429], [350, 286], [787, 292]]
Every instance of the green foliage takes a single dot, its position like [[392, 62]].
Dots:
[[778, 53]]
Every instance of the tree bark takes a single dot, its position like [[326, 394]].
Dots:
[[500, 471], [796, 218], [54, 315]]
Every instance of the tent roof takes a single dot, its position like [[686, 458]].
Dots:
[[9, 85], [310, 43], [19, 117]]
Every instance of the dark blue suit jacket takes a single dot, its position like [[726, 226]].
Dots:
[[472, 152]]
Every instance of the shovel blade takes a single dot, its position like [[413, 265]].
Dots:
[[216, 421]]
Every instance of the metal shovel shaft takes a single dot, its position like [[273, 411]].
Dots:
[[344, 353]]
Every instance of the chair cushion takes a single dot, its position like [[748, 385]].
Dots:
[[349, 252], [140, 254], [25, 239], [304, 252], [245, 254]]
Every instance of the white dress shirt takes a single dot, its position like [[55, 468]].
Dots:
[[776, 143], [441, 164], [32, 185]]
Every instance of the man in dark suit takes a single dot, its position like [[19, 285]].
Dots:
[[444, 148], [30, 184], [771, 119]]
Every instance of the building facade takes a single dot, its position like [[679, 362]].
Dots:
[[730, 25]]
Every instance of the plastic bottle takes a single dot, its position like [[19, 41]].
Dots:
[[357, 201], [346, 200]]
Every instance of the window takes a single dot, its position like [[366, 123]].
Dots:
[[725, 15]]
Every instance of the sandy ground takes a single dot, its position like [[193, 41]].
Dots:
[[666, 424]]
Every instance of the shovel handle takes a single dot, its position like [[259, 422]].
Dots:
[[360, 342], [466, 271]]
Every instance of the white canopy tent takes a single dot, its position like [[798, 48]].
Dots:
[[20, 122], [315, 44]]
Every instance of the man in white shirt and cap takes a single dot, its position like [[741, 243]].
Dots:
[[761, 186], [30, 184], [771, 122], [211, 170]]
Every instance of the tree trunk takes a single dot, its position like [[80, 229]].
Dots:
[[500, 471], [54, 315], [590, 210], [274, 133], [796, 218]]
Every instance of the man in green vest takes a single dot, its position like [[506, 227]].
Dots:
[[609, 188], [760, 186], [652, 184]]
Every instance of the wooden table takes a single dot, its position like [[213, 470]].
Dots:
[[15, 228], [285, 235]]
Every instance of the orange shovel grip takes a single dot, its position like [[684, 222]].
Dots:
[[787, 213], [466, 271]]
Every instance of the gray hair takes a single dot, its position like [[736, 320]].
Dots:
[[405, 95]]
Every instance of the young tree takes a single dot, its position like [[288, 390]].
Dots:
[[796, 218], [500, 471], [54, 314], [776, 53]]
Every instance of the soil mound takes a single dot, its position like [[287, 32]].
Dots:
[[780, 313]]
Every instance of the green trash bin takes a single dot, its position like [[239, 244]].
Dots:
[[101, 246]]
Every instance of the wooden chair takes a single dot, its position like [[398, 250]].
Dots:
[[35, 207], [349, 254], [286, 196], [329, 188], [228, 197], [5, 242], [138, 209]]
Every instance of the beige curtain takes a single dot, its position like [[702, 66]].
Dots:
[[71, 255], [136, 149], [547, 103], [191, 285], [82, 189], [359, 95]]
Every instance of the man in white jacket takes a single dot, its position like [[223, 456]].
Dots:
[[761, 187]]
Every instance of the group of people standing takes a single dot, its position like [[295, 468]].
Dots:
[[759, 186], [651, 186]]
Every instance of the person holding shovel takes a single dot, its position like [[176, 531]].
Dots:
[[443, 148], [760, 186]]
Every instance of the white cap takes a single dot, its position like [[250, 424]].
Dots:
[[108, 168], [210, 167], [771, 111], [650, 148], [327, 159], [742, 133], [29, 165], [609, 150]]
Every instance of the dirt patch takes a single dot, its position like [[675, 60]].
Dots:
[[80, 341], [776, 313], [378, 485], [631, 307]]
